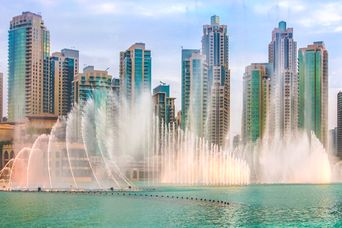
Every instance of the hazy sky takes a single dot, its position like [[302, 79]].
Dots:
[[100, 29]]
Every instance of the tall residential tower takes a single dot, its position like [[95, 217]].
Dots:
[[256, 94], [339, 125], [283, 57], [64, 66], [313, 90], [194, 91], [215, 48], [164, 105], [135, 72], [28, 67]]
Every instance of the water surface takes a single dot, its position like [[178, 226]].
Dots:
[[273, 205]]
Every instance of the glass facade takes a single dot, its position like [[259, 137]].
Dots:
[[256, 92], [17, 50], [312, 94], [29, 78], [186, 73], [135, 72], [194, 91]]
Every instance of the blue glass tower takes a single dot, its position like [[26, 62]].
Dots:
[[194, 91], [135, 72], [29, 80]]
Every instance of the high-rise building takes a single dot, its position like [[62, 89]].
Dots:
[[256, 94], [29, 79], [116, 86], [85, 83], [194, 91], [1, 96], [64, 66], [333, 141], [135, 72], [283, 57], [186, 83], [339, 125], [164, 105], [313, 90], [74, 55], [215, 48]]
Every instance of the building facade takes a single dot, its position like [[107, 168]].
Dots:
[[256, 97], [85, 83], [283, 57], [332, 138], [215, 48], [28, 66], [194, 91], [135, 72], [339, 125], [164, 105], [64, 66], [313, 90]]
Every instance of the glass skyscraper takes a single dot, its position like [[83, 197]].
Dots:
[[194, 91], [313, 90], [256, 92], [339, 126], [283, 57], [135, 72], [28, 67], [215, 49], [164, 105], [64, 66]]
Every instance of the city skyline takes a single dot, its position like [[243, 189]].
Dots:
[[167, 52]]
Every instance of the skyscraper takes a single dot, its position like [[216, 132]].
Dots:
[[339, 125], [313, 90], [135, 72], [283, 57], [256, 92], [215, 48], [194, 91], [186, 83], [64, 66], [164, 105], [28, 66], [332, 138]]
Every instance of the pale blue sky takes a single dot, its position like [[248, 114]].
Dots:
[[101, 29]]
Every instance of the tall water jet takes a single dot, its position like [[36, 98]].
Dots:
[[103, 140]]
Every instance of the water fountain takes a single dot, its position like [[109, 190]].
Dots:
[[102, 140]]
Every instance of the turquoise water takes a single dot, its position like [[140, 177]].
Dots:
[[272, 205]]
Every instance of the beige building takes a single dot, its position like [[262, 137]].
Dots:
[[84, 83]]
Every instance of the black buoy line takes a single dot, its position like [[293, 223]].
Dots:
[[126, 193]]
